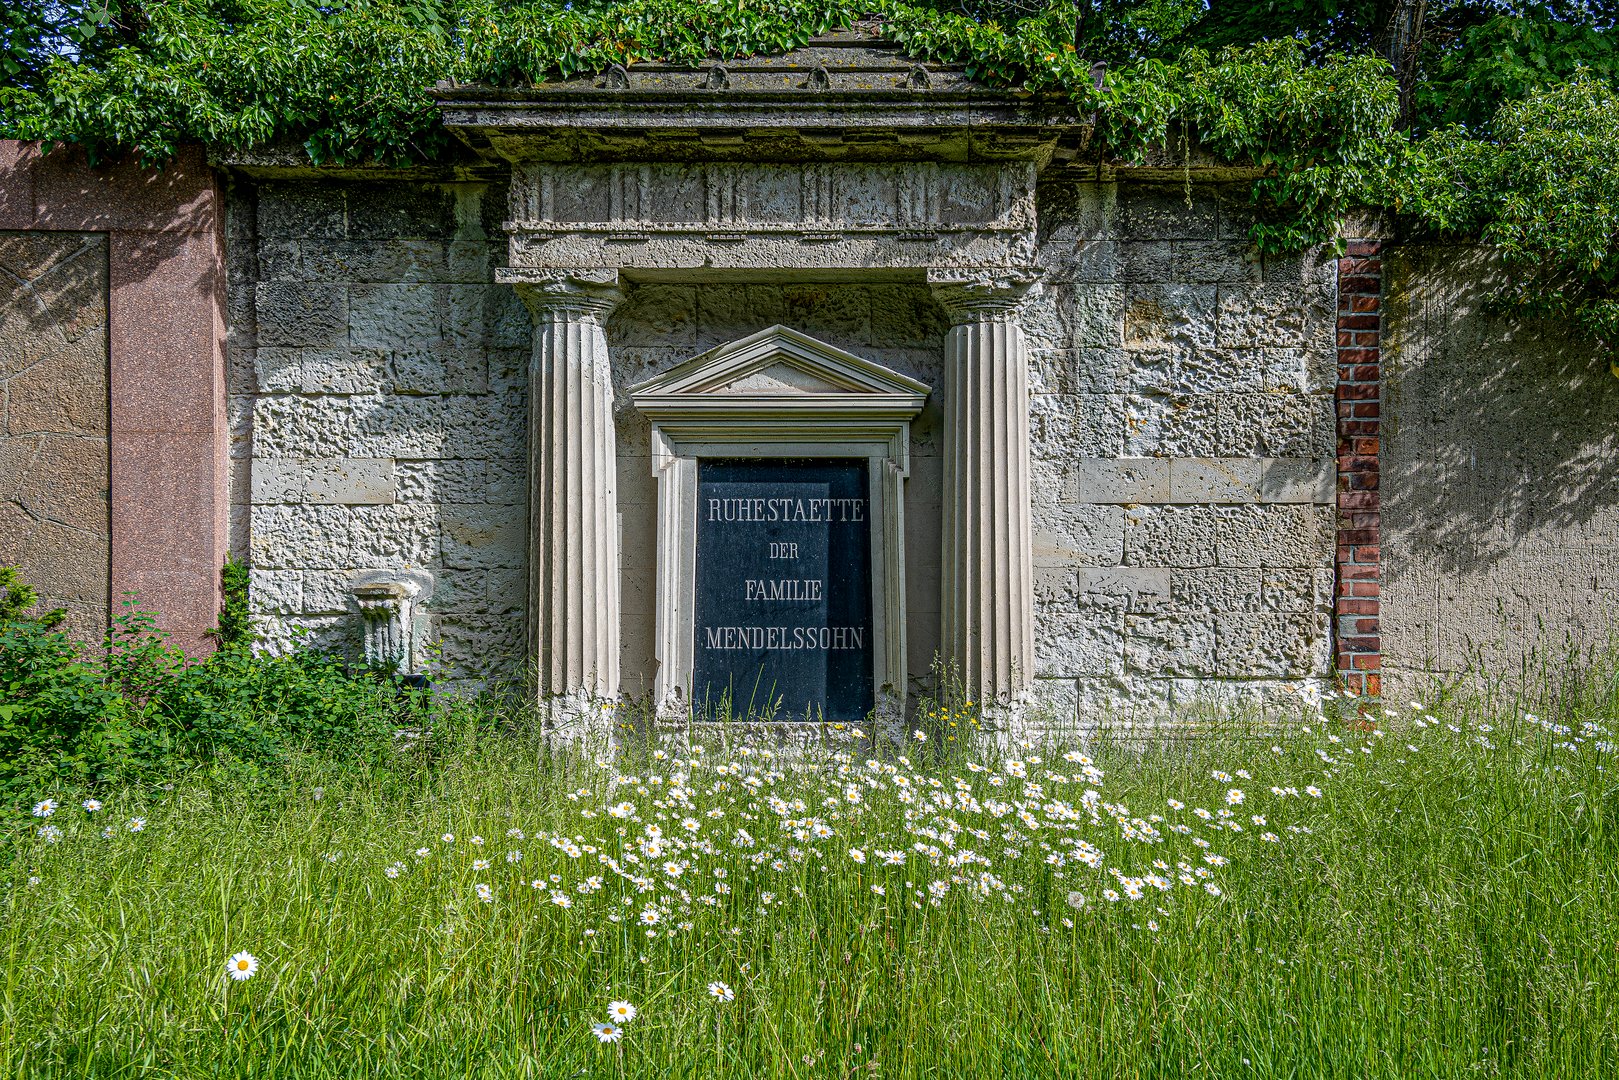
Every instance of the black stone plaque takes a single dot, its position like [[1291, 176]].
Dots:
[[783, 619]]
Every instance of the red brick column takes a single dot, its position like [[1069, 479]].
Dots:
[[1359, 400], [166, 372]]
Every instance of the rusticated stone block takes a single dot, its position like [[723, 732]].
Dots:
[[302, 314], [1122, 480], [1167, 212], [478, 646], [1169, 316], [1181, 370], [480, 536], [1169, 644], [1076, 371], [1271, 644], [1093, 645], [1079, 535], [1174, 536], [1216, 588], [301, 208], [338, 370], [1134, 589], [1283, 315], [1212, 262]]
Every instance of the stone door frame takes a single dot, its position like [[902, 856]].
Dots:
[[844, 406]]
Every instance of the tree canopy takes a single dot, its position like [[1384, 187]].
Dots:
[[1482, 118]]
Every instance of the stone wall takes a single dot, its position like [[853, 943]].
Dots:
[[378, 395], [1182, 416], [1184, 440], [53, 420], [1500, 497]]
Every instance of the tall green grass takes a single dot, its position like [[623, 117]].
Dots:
[[1449, 906]]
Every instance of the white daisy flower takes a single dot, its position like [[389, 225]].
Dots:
[[607, 1033], [242, 966], [721, 992], [91, 805], [45, 807], [622, 1011]]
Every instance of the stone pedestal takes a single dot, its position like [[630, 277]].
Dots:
[[987, 566], [573, 600]]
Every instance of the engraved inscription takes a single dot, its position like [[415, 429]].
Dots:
[[783, 615]]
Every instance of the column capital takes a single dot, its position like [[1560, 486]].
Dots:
[[578, 292], [969, 295]]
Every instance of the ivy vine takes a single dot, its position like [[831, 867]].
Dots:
[[352, 80]]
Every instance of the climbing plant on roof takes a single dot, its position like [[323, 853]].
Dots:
[[1295, 90]]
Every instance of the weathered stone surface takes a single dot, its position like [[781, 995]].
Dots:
[[54, 421], [1134, 589], [1123, 480], [302, 314], [1213, 480], [1270, 644], [1211, 262], [1297, 480], [332, 481], [1217, 589], [1282, 315], [1161, 316], [318, 371], [1078, 535], [1183, 370], [1167, 212], [1169, 644], [1076, 371], [1091, 645], [481, 536]]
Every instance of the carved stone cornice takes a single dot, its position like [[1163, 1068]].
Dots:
[[579, 292], [970, 296]]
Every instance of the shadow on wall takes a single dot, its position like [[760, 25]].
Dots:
[[113, 362], [1499, 488]]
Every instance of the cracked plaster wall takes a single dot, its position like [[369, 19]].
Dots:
[[1181, 412]]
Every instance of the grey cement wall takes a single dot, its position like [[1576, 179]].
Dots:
[[1181, 406], [1500, 497]]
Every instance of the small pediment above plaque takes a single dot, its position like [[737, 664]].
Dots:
[[780, 378], [783, 364]]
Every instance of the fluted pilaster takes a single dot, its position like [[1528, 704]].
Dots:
[[573, 600], [987, 591]]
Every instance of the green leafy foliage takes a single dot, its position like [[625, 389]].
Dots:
[[135, 708], [1546, 192], [1504, 101]]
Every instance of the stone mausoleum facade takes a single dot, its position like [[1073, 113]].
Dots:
[[831, 329]]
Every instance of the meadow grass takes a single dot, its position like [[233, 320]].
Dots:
[[1447, 906]]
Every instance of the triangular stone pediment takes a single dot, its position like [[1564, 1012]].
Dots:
[[779, 362]]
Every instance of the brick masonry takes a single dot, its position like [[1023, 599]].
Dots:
[[1358, 564]]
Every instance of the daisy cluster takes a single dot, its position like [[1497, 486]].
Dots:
[[703, 844]]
